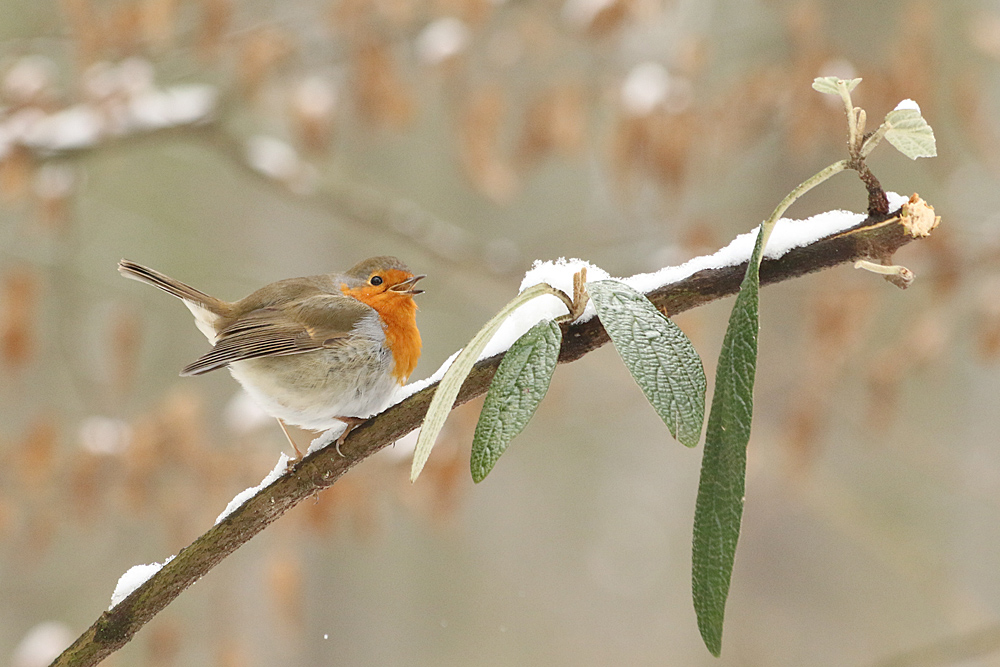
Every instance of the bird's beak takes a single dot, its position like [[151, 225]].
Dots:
[[406, 287]]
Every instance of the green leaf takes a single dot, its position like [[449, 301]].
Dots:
[[829, 84], [518, 387], [719, 507], [658, 354], [454, 377], [910, 133]]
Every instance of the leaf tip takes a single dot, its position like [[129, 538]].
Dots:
[[690, 443], [420, 457], [711, 635]]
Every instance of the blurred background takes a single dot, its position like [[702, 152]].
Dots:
[[233, 144]]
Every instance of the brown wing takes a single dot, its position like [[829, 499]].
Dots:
[[319, 321]]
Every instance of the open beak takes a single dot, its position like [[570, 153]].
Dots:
[[406, 287]]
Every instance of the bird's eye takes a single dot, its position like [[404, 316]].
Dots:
[[376, 280]]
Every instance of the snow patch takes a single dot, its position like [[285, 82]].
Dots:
[[247, 494], [136, 576]]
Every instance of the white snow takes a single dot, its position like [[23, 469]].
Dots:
[[559, 274], [246, 494], [328, 437], [787, 235], [136, 576]]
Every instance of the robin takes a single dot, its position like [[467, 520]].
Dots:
[[312, 351]]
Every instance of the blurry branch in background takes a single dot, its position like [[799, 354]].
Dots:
[[875, 239], [193, 114], [277, 165]]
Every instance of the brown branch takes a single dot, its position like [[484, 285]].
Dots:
[[875, 239], [878, 203]]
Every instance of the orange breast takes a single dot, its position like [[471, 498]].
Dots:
[[398, 312], [399, 320]]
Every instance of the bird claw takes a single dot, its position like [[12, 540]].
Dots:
[[351, 423]]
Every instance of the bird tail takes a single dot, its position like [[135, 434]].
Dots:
[[178, 289]]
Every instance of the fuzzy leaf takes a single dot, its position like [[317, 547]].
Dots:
[[658, 354], [828, 84], [719, 507], [454, 378], [910, 133], [519, 385]]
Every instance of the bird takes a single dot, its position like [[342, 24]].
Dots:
[[311, 351]]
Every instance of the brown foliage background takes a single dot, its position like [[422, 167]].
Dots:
[[232, 144]]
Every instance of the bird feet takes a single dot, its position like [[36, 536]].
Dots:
[[351, 423], [298, 454]]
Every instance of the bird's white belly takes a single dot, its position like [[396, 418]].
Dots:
[[312, 389]]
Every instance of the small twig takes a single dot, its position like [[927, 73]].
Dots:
[[580, 296], [567, 301], [853, 132], [858, 147], [894, 273], [878, 203], [873, 140], [578, 303]]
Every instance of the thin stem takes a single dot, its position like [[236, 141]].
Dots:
[[852, 119], [803, 187], [565, 298], [903, 275], [578, 303], [874, 140]]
